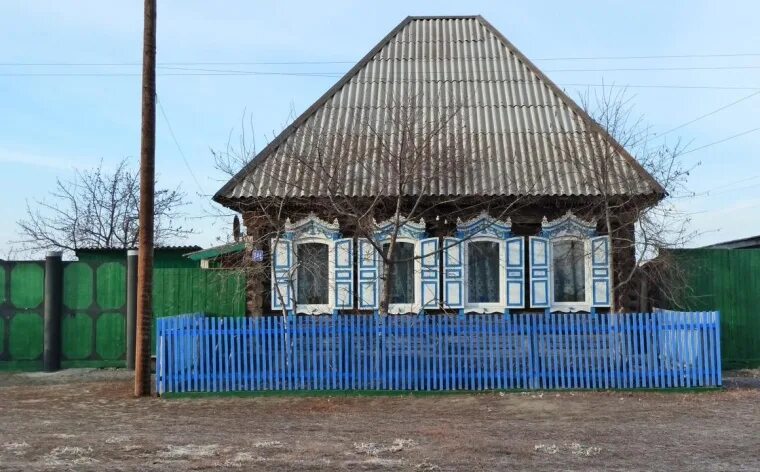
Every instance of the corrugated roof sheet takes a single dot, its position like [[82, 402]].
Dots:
[[519, 129], [216, 251]]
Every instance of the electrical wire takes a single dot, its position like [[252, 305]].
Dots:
[[736, 102], [721, 141], [302, 62], [179, 148]]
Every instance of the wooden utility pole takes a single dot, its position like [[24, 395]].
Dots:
[[147, 184]]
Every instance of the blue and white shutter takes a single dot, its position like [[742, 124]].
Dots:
[[600, 271], [369, 271], [453, 273], [515, 272], [429, 273], [344, 273], [282, 263], [540, 265]]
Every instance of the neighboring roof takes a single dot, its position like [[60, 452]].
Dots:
[[515, 117], [216, 251], [752, 242]]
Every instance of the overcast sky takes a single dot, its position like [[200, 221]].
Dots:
[[55, 122]]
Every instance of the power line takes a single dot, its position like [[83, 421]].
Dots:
[[711, 191], [709, 114], [697, 87], [160, 64], [666, 56], [654, 69], [721, 141], [618, 69], [330, 75], [340, 73], [250, 72], [176, 142], [304, 62]]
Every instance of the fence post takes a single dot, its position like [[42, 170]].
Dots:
[[131, 306], [51, 356]]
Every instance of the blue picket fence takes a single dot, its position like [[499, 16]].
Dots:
[[438, 352]]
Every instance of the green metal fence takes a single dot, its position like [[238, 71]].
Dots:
[[93, 325], [727, 280], [21, 300]]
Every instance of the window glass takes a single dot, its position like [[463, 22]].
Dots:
[[569, 262], [402, 278], [312, 274], [483, 272]]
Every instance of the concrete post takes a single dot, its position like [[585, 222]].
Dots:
[[51, 354], [131, 306]]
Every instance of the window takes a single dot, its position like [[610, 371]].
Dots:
[[406, 279], [569, 261], [402, 273], [313, 274], [483, 266], [483, 272], [569, 266], [312, 268]]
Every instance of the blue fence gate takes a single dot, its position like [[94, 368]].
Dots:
[[438, 352]]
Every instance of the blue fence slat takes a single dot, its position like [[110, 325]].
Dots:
[[647, 360], [688, 357], [642, 357], [594, 348], [553, 357], [701, 364], [633, 359], [438, 352], [493, 348], [655, 355], [706, 333]]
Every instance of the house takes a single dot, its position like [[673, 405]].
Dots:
[[444, 171], [222, 256]]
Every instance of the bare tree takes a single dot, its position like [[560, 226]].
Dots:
[[98, 209], [640, 224], [404, 152]]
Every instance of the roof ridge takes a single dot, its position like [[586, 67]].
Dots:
[[443, 17]]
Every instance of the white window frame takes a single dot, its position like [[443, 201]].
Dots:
[[312, 229], [484, 228], [408, 232], [584, 305], [414, 307], [314, 309], [570, 227], [485, 307]]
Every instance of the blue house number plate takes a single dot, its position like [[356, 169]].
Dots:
[[257, 255]]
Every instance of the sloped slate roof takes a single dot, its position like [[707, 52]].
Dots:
[[521, 127]]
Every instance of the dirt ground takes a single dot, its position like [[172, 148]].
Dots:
[[88, 420]]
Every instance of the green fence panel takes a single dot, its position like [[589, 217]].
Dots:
[[94, 307], [183, 290], [27, 285], [727, 280], [3, 288], [25, 333], [110, 337], [111, 285], [77, 285], [76, 336]]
